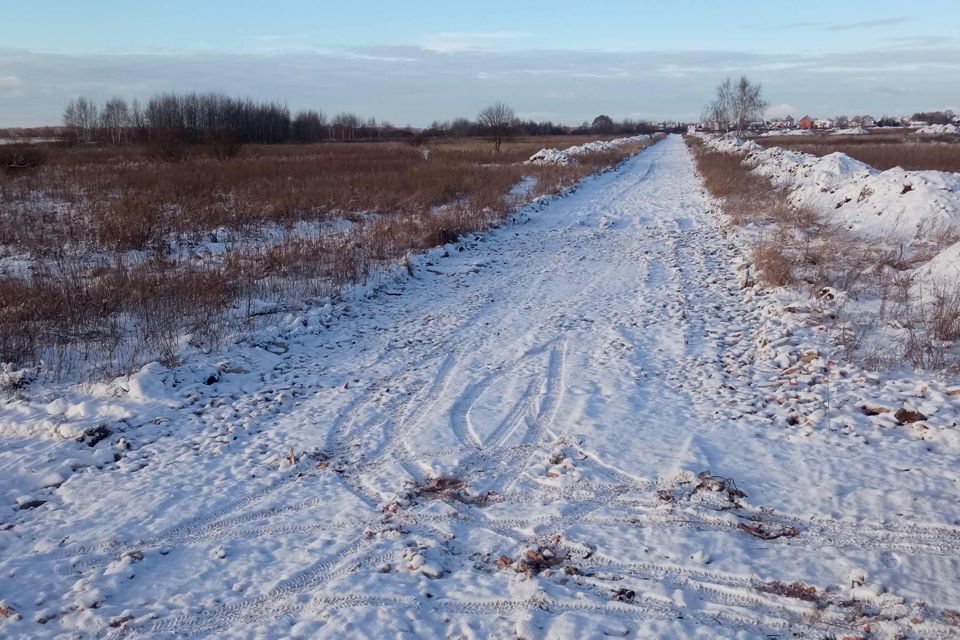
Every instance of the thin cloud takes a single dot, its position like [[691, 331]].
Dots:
[[414, 85], [833, 26], [893, 91], [457, 41], [866, 24]]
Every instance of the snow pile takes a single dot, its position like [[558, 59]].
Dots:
[[730, 143], [604, 145], [940, 273], [565, 157], [551, 156], [853, 131], [939, 130], [787, 132], [894, 205]]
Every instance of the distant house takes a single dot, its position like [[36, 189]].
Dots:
[[867, 121], [822, 123], [806, 122]]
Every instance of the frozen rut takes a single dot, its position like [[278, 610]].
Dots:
[[511, 447]]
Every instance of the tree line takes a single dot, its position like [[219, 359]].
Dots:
[[177, 119]]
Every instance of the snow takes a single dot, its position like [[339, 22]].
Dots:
[[938, 130], [576, 425], [893, 205], [552, 156], [8, 141], [567, 156], [787, 132], [941, 273], [852, 131]]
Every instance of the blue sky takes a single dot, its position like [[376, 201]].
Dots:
[[413, 62]]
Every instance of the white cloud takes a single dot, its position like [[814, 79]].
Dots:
[[458, 41], [781, 110], [414, 85]]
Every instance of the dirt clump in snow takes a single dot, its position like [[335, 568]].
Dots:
[[537, 560], [448, 490], [907, 416], [767, 531], [796, 590]]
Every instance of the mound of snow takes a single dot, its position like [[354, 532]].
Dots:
[[941, 272], [603, 145], [553, 157], [896, 206], [730, 143], [566, 156], [939, 130], [787, 132], [853, 131]]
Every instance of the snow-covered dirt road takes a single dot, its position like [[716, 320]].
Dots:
[[514, 442]]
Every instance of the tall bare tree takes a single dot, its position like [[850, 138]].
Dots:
[[115, 120], [735, 106], [497, 122], [81, 118]]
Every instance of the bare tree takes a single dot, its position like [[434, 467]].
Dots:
[[309, 126], [461, 127], [81, 117], [344, 126], [497, 122], [735, 105], [70, 120], [115, 120], [602, 124]]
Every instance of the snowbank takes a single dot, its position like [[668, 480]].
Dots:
[[853, 131], [566, 156], [893, 205], [551, 156], [787, 132], [941, 272], [939, 130]]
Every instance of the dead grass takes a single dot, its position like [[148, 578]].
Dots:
[[749, 199], [794, 248], [774, 264], [883, 150], [127, 252]]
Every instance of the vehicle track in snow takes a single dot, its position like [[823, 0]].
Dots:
[[586, 358]]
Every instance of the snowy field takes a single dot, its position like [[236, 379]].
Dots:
[[576, 426]]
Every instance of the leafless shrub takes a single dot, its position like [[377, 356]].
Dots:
[[774, 265], [18, 158], [933, 327]]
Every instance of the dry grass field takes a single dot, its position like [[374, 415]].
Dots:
[[109, 255], [883, 148]]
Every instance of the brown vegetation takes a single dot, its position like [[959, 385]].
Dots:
[[793, 247], [883, 150], [124, 252]]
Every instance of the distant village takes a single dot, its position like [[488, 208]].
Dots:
[[810, 123]]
